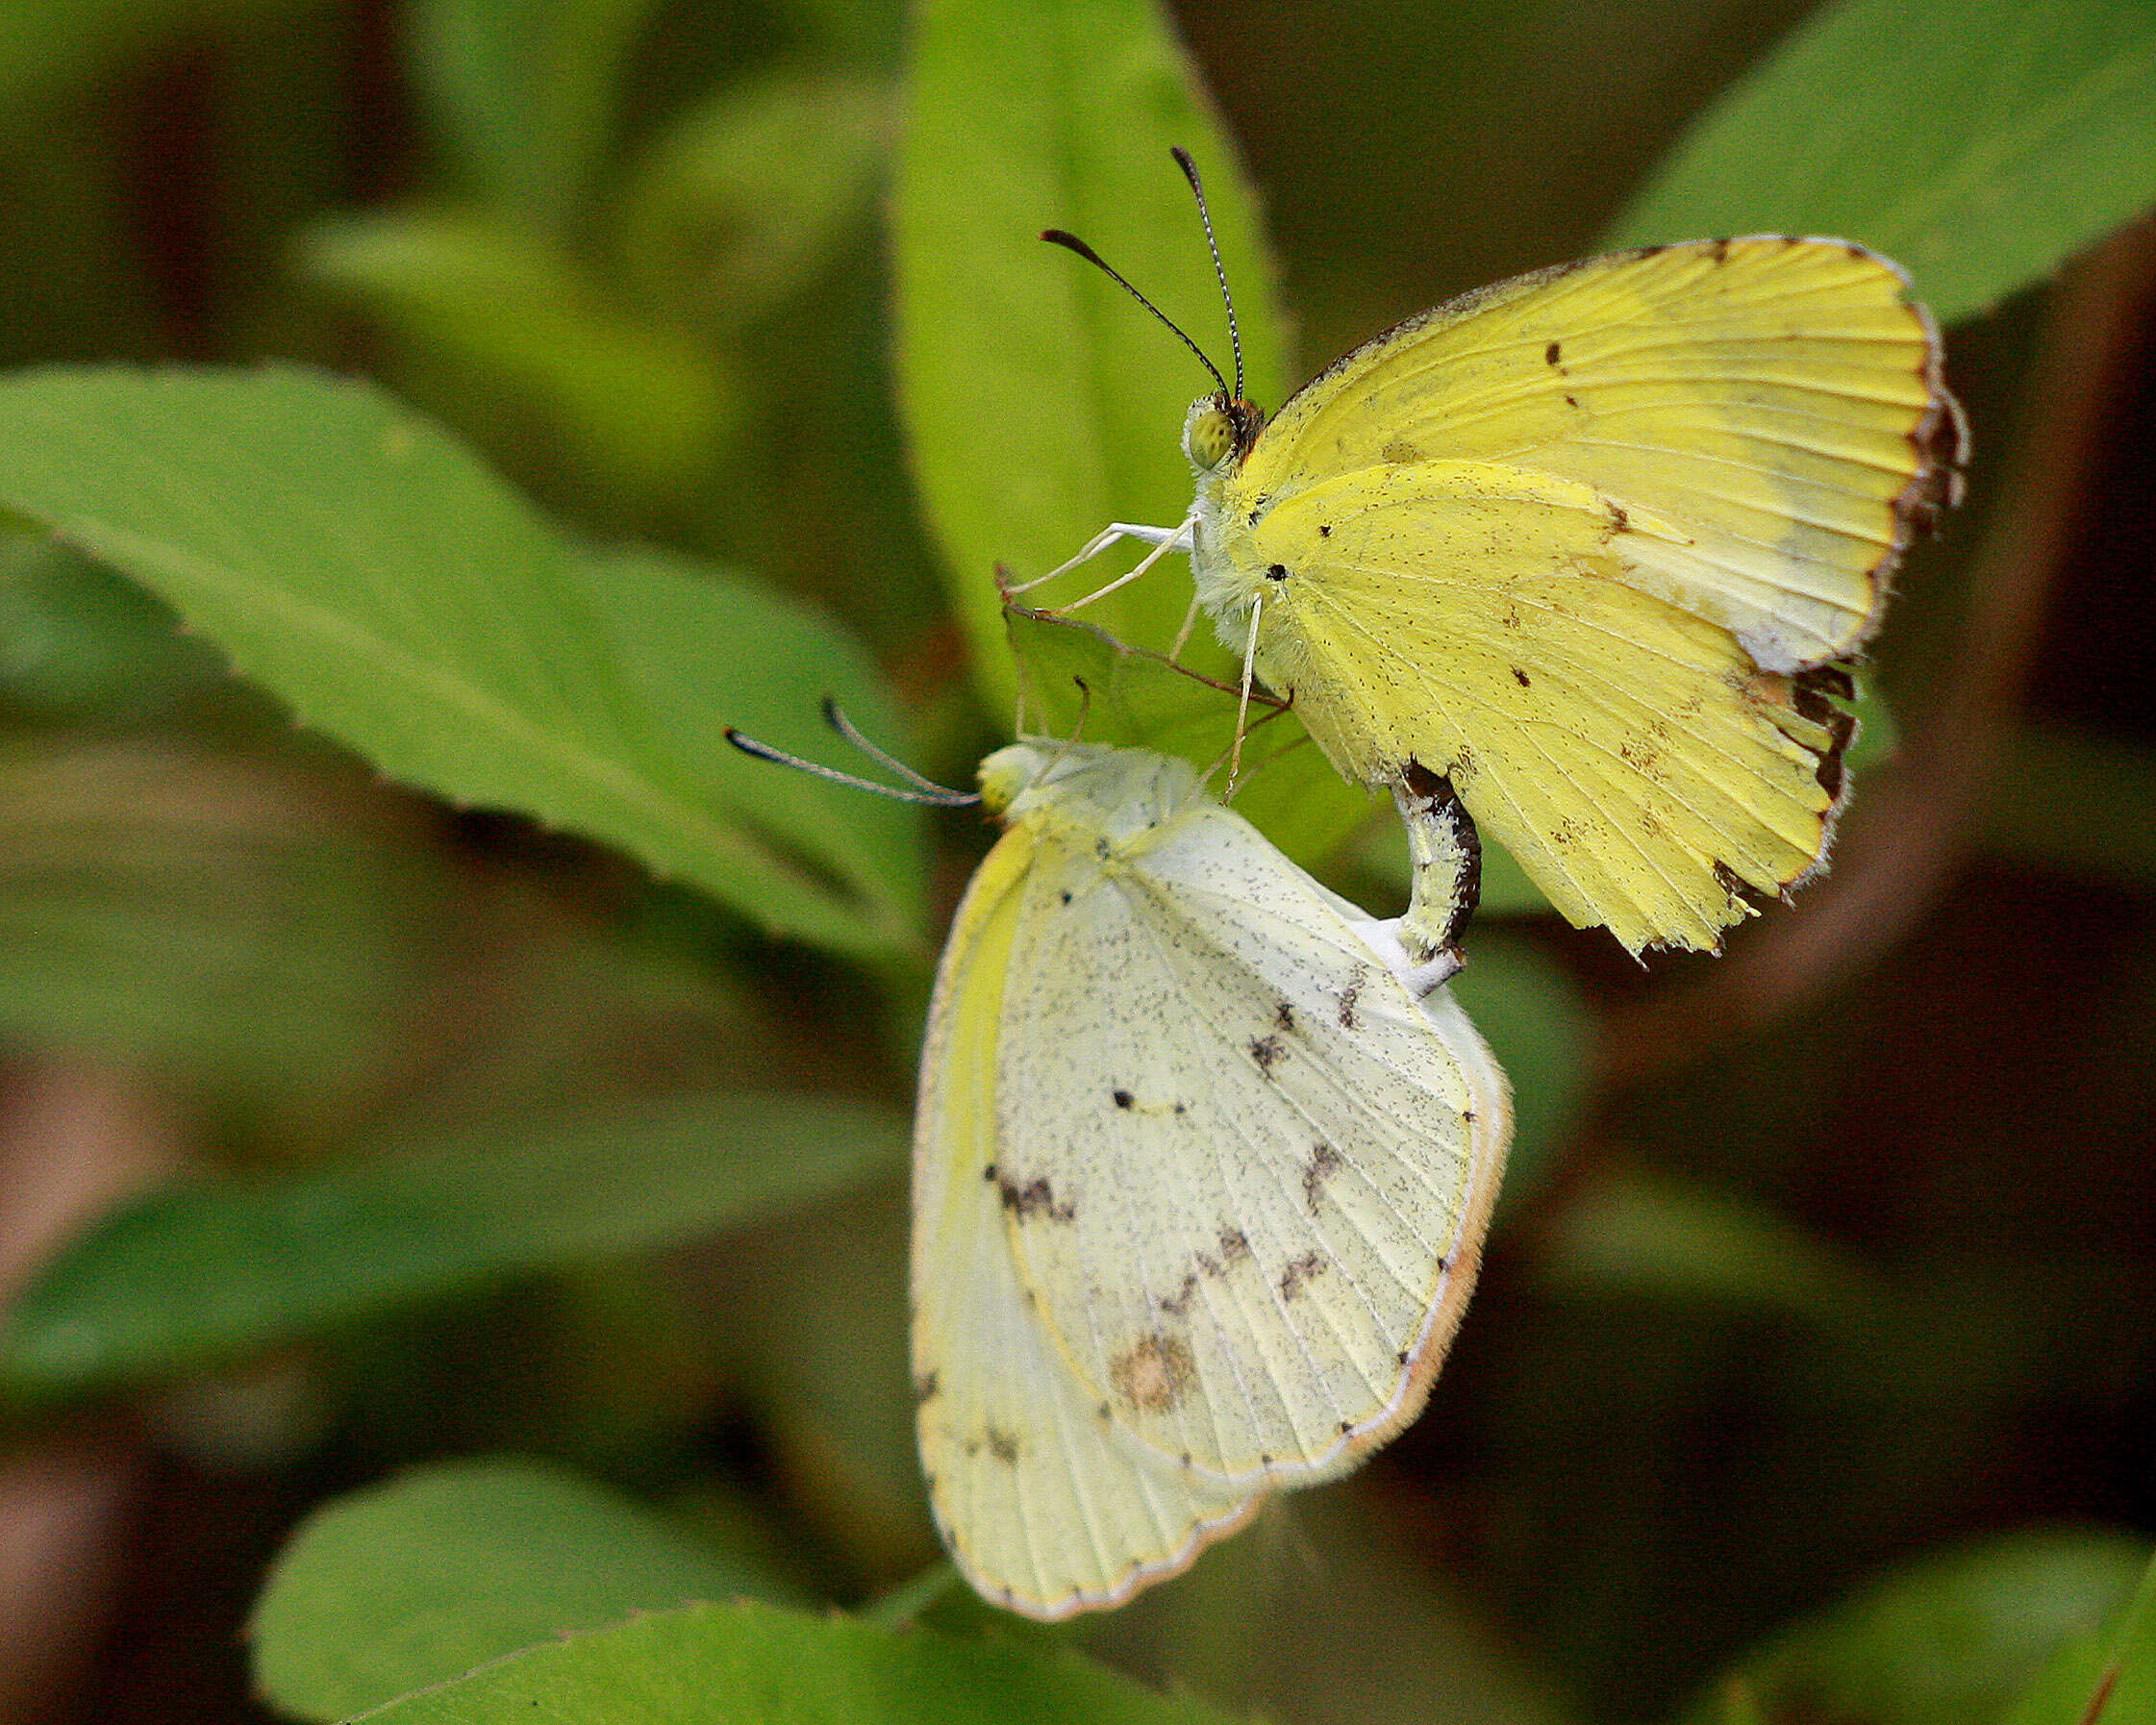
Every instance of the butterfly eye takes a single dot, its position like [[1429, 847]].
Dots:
[[1208, 438]]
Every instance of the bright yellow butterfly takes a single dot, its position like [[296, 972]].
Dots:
[[1202, 1168], [1590, 544]]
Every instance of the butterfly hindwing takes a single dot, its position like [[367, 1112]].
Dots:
[[1474, 619], [1258, 1192]]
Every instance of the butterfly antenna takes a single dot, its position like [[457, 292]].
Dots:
[[1220, 270], [920, 790], [1070, 242], [836, 717]]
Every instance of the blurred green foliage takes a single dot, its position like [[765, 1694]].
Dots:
[[362, 787]]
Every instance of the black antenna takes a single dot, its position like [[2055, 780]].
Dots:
[[924, 791], [1197, 191], [1070, 242]]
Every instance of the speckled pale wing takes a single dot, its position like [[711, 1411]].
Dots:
[[1474, 619], [1769, 409], [1042, 1506], [1200, 1187], [1247, 1172]]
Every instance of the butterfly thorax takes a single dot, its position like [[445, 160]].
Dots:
[[1217, 435]]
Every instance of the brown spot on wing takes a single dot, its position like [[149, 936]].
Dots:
[[1154, 1374], [1400, 451], [1267, 1051], [1324, 1162], [1002, 1445], [1034, 1199], [1299, 1273]]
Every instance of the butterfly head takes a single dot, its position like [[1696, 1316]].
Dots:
[[1219, 430]]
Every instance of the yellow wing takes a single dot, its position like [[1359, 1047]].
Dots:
[[1582, 539], [1632, 758], [1774, 406]]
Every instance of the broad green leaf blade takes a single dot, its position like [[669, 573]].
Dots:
[[2104, 1678], [754, 1665], [704, 649], [524, 92], [752, 192], [1944, 1639], [642, 404], [192, 1279], [1979, 142], [1531, 1012], [419, 1581], [1078, 681], [368, 571], [207, 913], [1040, 402], [1636, 1236]]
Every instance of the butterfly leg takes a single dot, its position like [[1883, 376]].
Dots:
[[1447, 854], [1161, 538], [1249, 674], [1183, 634]]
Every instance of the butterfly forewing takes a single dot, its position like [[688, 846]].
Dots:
[[1769, 410], [1040, 1506]]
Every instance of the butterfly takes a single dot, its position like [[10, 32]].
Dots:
[[1591, 547], [1203, 1163]]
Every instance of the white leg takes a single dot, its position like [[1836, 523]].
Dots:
[[1099, 543], [1161, 548], [1183, 634], [1242, 712]]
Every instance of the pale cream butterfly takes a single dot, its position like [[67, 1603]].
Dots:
[[1202, 1168]]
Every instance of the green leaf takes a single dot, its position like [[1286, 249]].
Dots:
[[1040, 403], [1530, 1011], [2105, 1678], [194, 1278], [754, 1665], [2067, 799], [1636, 1236], [208, 913], [1981, 143], [704, 650], [1079, 680], [369, 572], [644, 404], [48, 44], [1949, 1637], [750, 194], [77, 644], [524, 92], [419, 1581]]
